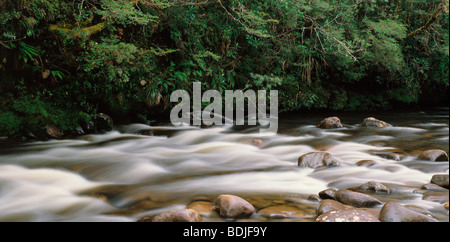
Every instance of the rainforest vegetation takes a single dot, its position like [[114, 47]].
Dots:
[[64, 61]]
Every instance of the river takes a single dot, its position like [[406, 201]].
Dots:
[[123, 175]]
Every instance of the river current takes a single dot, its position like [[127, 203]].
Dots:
[[137, 170]]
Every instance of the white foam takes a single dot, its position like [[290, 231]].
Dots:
[[45, 195]]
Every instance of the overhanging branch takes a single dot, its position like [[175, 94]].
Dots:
[[442, 8]]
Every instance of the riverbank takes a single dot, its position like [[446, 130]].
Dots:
[[102, 123]]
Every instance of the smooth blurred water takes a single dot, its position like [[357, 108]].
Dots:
[[122, 175]]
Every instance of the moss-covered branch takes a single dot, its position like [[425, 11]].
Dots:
[[434, 17], [78, 32]]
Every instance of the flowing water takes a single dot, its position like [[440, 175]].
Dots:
[[123, 175]]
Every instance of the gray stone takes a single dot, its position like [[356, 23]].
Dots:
[[434, 155], [230, 206], [440, 180], [53, 132], [394, 212], [316, 159], [371, 186], [356, 199], [328, 193], [103, 122], [365, 163], [330, 123], [314, 198], [433, 187], [375, 123], [182, 215], [282, 211], [434, 196], [347, 215], [330, 205]]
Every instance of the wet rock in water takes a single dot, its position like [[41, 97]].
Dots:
[[316, 159], [314, 198], [145, 219], [282, 211], [158, 132], [329, 193], [103, 122], [204, 208], [392, 154], [330, 123], [373, 122], [53, 132], [419, 210], [356, 199], [440, 180], [330, 205], [434, 196], [371, 186], [230, 206], [260, 202], [79, 130], [88, 127], [182, 215], [433, 187], [255, 142], [145, 204], [366, 163], [434, 155], [394, 212], [347, 215]]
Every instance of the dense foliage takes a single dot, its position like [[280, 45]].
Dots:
[[62, 61]]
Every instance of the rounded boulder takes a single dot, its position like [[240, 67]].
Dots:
[[330, 123], [394, 212], [434, 155], [316, 159], [231, 206], [182, 215], [356, 199], [347, 215], [375, 123]]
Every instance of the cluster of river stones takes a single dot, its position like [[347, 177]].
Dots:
[[354, 204]]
